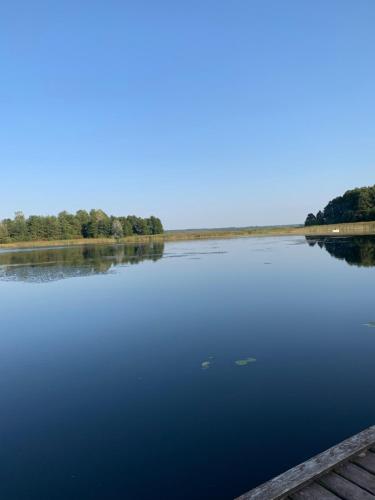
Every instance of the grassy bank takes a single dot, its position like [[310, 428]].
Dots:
[[347, 229], [358, 228]]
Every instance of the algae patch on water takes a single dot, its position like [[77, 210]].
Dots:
[[244, 362], [208, 363]]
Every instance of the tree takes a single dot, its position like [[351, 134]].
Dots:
[[127, 228], [310, 220], [99, 225], [83, 218], [18, 229], [156, 227], [69, 226], [4, 235], [35, 228], [139, 225], [320, 218], [116, 229], [51, 228], [104, 224]]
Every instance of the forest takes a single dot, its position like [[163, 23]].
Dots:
[[356, 205], [82, 224]]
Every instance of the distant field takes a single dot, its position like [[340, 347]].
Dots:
[[358, 228], [346, 229], [229, 229]]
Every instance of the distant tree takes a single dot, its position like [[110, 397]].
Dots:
[[92, 225], [156, 227], [69, 226], [142, 226], [139, 225], [51, 228], [320, 218], [99, 225], [116, 230], [83, 218], [35, 228], [18, 229], [310, 220], [127, 228], [4, 235], [104, 224]]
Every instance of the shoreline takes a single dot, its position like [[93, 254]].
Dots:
[[346, 229]]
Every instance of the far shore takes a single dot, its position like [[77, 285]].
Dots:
[[348, 229]]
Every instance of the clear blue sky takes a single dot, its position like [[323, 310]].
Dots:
[[203, 112]]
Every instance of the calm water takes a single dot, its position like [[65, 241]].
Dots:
[[103, 394]]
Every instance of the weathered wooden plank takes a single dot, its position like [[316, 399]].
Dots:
[[293, 479], [367, 461], [357, 475], [344, 488], [314, 491]]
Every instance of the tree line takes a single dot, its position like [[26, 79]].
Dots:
[[82, 224], [356, 205]]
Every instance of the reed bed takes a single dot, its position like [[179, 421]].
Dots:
[[347, 229]]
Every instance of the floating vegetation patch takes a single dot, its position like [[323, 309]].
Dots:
[[206, 365], [297, 242], [370, 324], [190, 254], [244, 362]]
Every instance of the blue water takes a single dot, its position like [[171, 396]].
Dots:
[[102, 390]]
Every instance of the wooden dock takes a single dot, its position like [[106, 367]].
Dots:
[[345, 471]]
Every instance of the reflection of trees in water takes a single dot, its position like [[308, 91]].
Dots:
[[358, 250], [58, 263]]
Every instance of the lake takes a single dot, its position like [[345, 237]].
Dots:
[[195, 369]]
